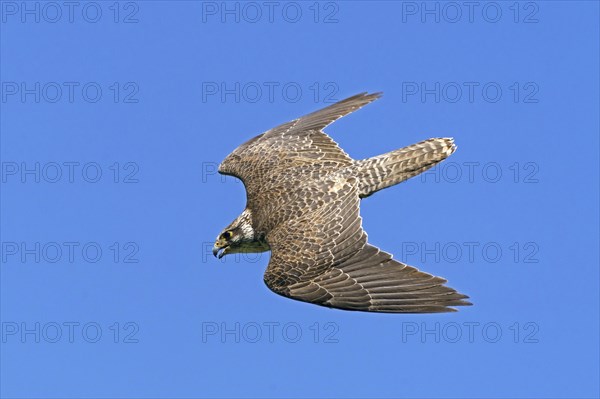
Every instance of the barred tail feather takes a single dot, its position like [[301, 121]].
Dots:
[[397, 166]]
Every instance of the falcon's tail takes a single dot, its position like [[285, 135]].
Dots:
[[394, 167]]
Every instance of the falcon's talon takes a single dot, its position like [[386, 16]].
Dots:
[[303, 195]]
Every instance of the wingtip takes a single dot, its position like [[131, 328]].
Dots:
[[374, 96], [366, 95], [452, 309], [462, 302]]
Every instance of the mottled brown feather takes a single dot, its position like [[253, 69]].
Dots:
[[304, 191]]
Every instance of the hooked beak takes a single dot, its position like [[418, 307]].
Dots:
[[219, 250]]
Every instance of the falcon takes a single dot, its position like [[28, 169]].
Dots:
[[303, 196]]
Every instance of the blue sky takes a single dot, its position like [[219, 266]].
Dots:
[[114, 117]]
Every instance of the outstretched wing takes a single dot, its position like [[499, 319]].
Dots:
[[299, 146], [372, 281], [323, 257], [322, 118]]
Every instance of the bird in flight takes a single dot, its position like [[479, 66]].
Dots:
[[303, 196]]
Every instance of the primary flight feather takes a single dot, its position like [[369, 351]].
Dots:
[[303, 197]]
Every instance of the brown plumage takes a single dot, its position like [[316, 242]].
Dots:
[[303, 197]]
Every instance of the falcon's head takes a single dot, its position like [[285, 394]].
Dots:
[[238, 237]]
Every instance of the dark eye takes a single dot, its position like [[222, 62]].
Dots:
[[226, 235]]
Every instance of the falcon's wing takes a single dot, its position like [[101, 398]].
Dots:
[[322, 118], [298, 146], [322, 257], [372, 281]]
